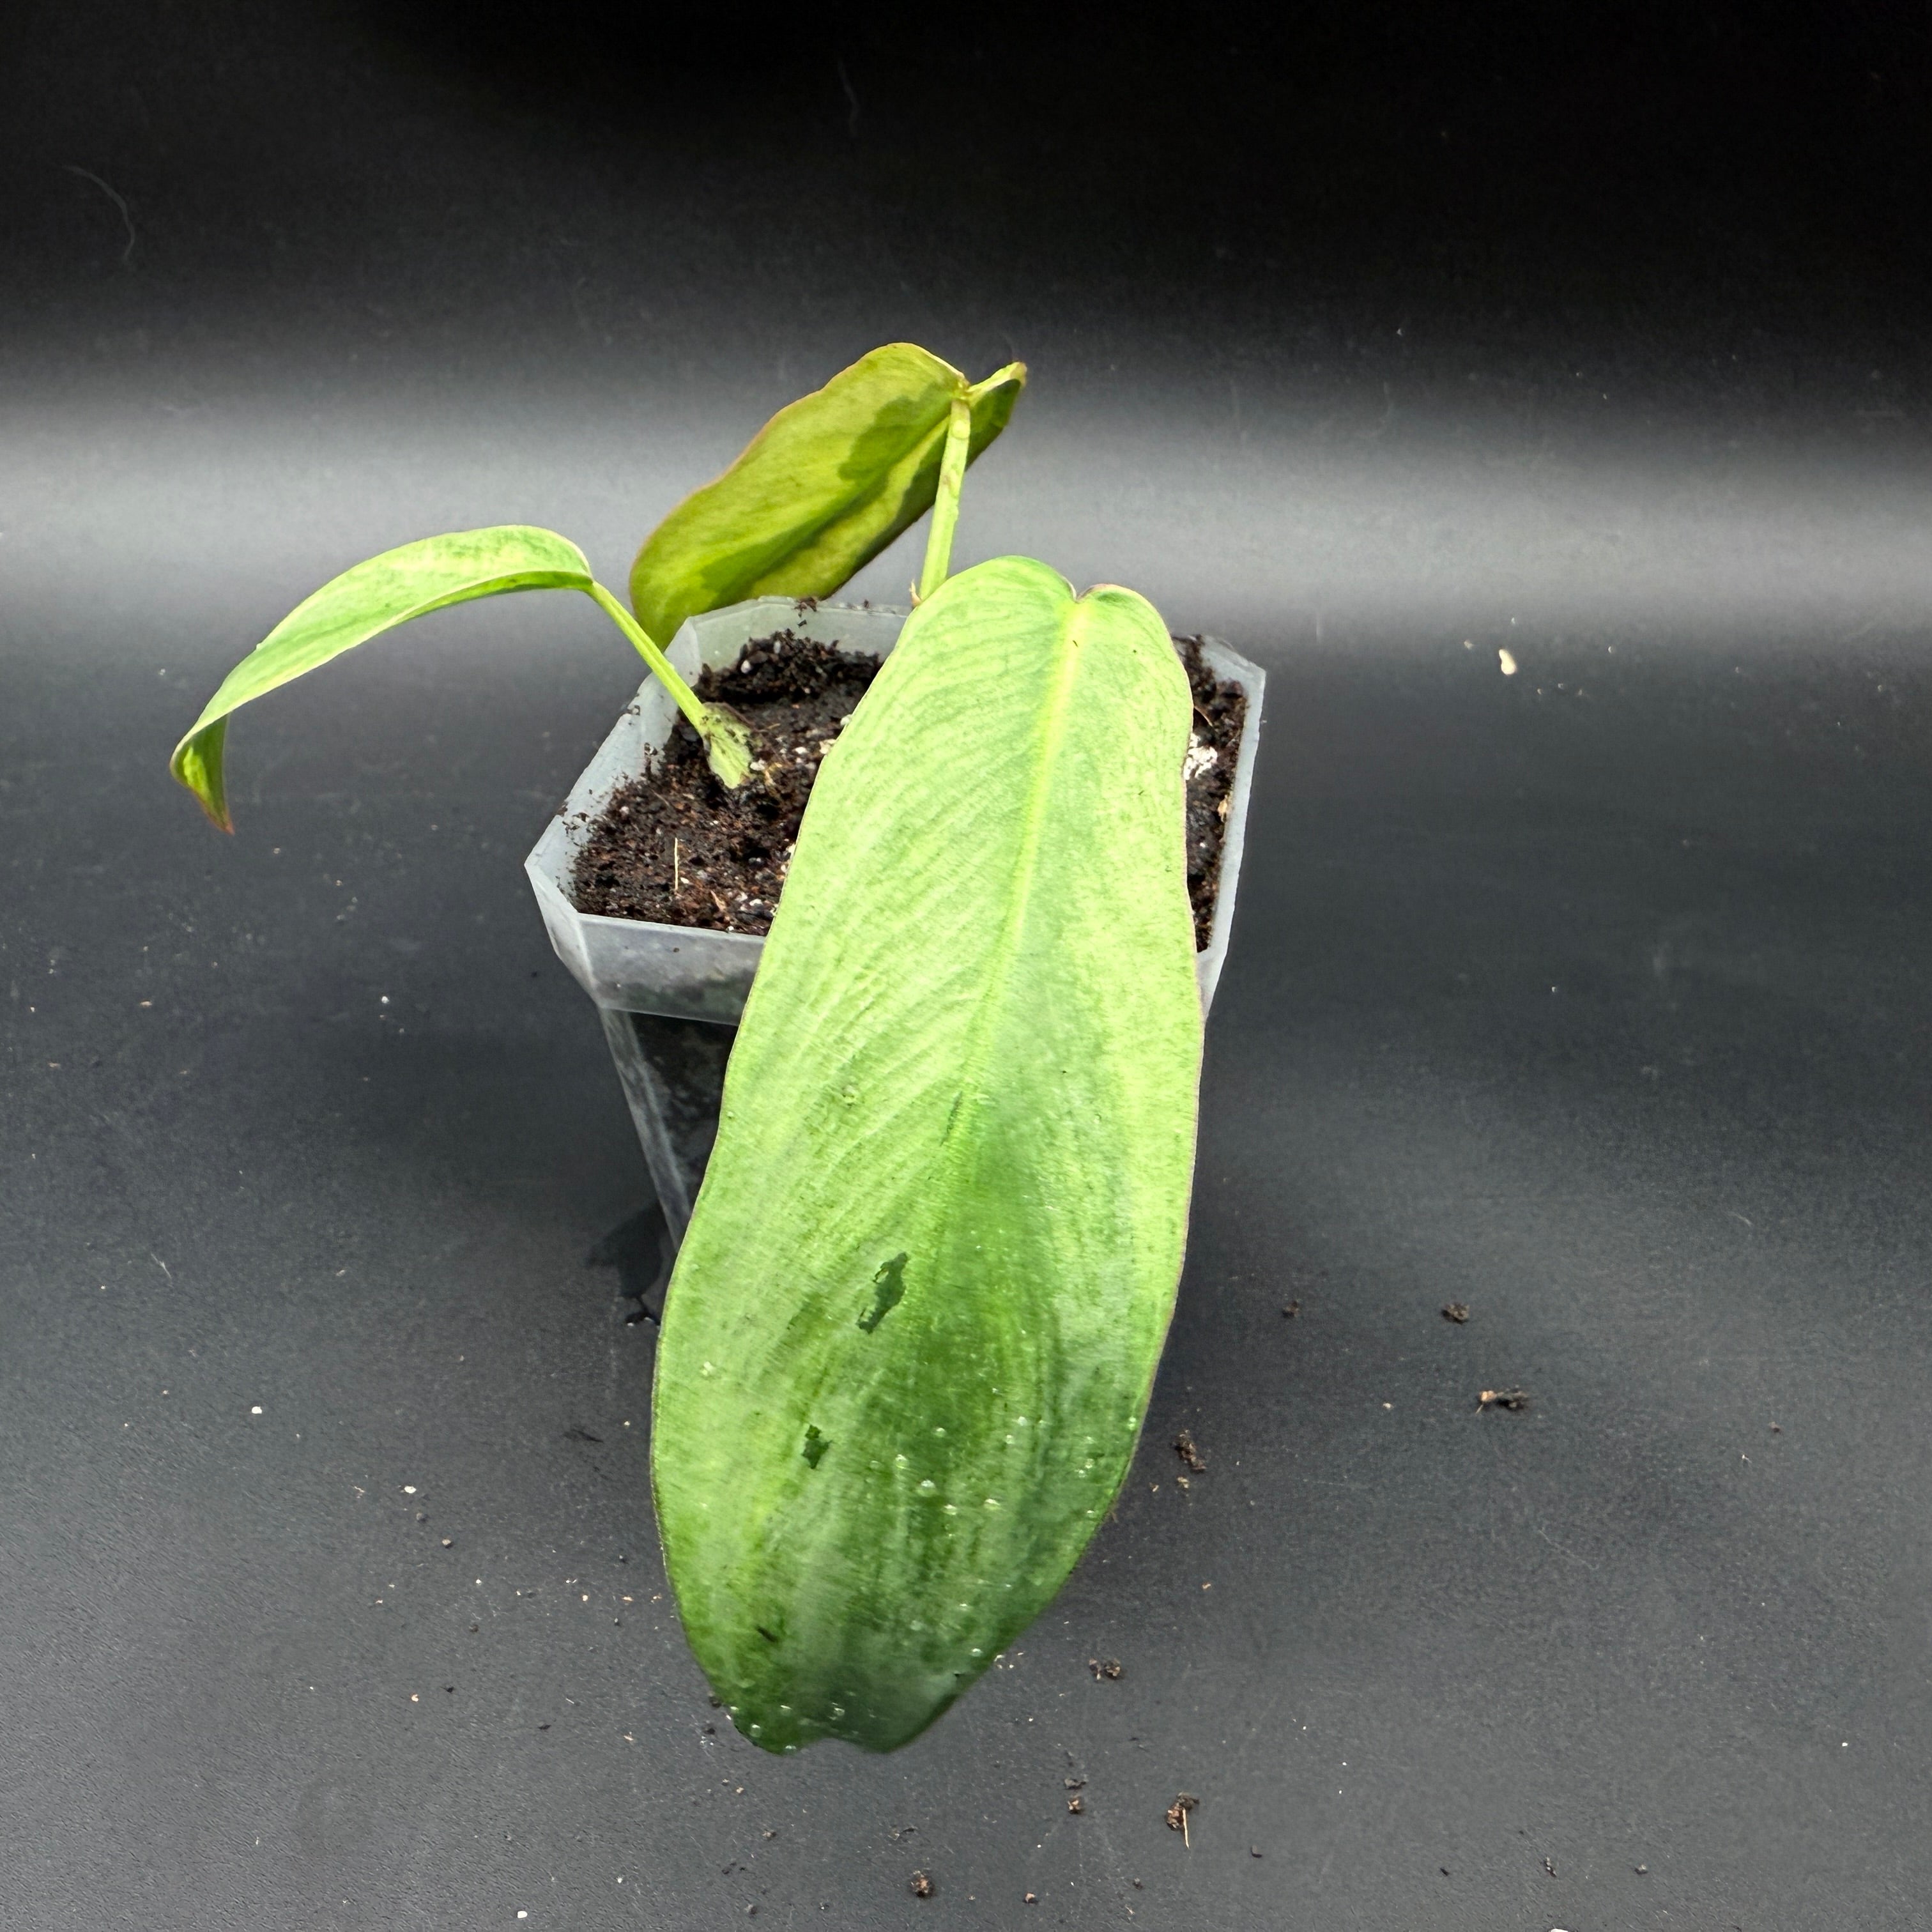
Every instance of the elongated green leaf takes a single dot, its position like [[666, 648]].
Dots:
[[362, 603], [909, 1339], [819, 491]]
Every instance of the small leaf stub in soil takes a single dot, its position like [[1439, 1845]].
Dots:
[[1109, 1667], [1189, 1451], [1457, 1312], [922, 1885], [1511, 1399]]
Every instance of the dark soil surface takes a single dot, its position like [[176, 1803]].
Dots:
[[1219, 712], [675, 847]]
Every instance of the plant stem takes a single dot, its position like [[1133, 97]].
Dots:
[[945, 502], [726, 743], [687, 699]]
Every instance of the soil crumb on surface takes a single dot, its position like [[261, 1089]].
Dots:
[[675, 847]]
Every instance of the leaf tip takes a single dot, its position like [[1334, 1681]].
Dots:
[[1013, 376], [197, 764]]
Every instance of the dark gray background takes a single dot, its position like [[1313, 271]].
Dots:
[[1377, 341]]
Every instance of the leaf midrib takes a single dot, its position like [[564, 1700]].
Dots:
[[1049, 739]]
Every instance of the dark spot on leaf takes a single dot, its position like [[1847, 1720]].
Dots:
[[815, 1445], [770, 1637], [888, 1291]]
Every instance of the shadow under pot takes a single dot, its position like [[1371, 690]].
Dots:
[[670, 995]]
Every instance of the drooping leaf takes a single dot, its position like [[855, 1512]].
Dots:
[[362, 603], [911, 1333], [819, 491]]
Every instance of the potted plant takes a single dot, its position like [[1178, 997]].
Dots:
[[670, 993], [925, 1279]]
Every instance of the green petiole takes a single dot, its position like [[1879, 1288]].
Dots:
[[946, 502], [728, 743]]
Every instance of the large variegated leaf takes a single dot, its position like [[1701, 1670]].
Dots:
[[819, 491], [909, 1339], [361, 604]]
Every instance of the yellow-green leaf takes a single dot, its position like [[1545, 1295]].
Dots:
[[819, 491], [911, 1337], [361, 604]]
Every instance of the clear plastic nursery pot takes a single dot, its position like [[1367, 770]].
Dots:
[[670, 996]]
